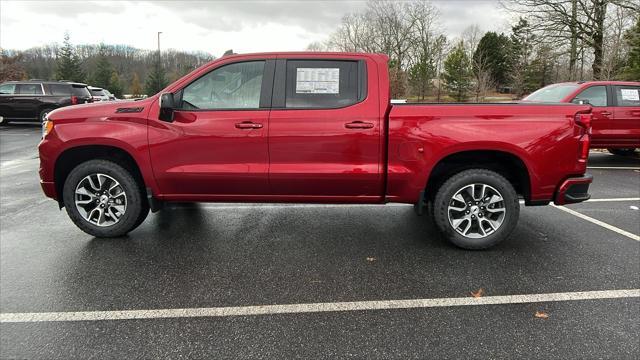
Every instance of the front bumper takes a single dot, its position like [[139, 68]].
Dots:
[[49, 189], [574, 190]]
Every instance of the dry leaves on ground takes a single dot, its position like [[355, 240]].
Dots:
[[541, 315], [478, 293], [371, 259]]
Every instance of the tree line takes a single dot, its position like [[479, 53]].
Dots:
[[550, 41], [121, 69]]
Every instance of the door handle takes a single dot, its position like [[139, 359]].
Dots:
[[605, 113], [358, 125], [248, 125]]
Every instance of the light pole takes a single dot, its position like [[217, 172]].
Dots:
[[159, 32], [159, 63]]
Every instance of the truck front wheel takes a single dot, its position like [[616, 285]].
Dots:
[[103, 199], [476, 209]]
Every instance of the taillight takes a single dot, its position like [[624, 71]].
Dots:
[[584, 122], [74, 100]]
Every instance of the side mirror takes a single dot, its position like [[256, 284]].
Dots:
[[167, 105]]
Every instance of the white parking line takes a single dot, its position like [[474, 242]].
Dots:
[[614, 167], [598, 222], [614, 199], [313, 307]]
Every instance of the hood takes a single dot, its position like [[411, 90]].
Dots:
[[100, 109]]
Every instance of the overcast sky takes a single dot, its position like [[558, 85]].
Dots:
[[209, 26]]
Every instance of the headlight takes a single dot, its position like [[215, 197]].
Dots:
[[47, 126]]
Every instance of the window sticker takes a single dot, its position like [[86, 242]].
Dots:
[[630, 94], [318, 81]]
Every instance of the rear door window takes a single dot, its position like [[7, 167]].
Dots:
[[627, 95], [60, 89], [80, 91], [321, 84], [7, 89], [595, 95], [29, 89]]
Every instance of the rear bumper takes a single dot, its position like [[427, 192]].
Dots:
[[574, 190]]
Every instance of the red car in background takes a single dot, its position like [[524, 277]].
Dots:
[[616, 110]]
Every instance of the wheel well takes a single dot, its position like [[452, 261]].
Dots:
[[505, 164], [73, 157]]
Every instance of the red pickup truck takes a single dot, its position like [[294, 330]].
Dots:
[[615, 110], [312, 127]]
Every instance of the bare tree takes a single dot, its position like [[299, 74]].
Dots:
[[572, 21], [471, 36], [482, 80], [615, 48]]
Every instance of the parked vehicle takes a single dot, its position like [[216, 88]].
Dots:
[[34, 99], [312, 127], [98, 94], [616, 110], [109, 95]]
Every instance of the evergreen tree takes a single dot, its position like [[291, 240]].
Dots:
[[68, 63], [420, 75], [457, 73], [136, 88], [522, 41], [156, 80], [115, 86], [540, 72], [632, 69], [496, 52], [103, 71]]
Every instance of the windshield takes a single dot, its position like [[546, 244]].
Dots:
[[552, 93], [97, 92]]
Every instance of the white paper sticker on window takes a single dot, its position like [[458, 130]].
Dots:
[[630, 94], [318, 81]]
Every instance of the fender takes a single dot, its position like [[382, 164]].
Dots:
[[128, 136]]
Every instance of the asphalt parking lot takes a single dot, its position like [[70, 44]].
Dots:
[[346, 281]]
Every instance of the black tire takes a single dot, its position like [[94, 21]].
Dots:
[[448, 190], [622, 152], [44, 113], [136, 204]]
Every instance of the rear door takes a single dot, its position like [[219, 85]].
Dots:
[[325, 131], [626, 119], [6, 100], [27, 100], [602, 113]]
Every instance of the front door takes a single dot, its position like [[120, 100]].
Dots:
[[325, 132], [216, 146], [602, 113]]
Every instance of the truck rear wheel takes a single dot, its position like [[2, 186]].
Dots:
[[103, 199], [476, 209]]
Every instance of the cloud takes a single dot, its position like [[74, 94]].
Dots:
[[210, 26]]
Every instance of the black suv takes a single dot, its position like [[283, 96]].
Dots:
[[32, 100]]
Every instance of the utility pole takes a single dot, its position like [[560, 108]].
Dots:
[[159, 63]]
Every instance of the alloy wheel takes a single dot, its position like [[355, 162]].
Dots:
[[100, 199], [476, 210]]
